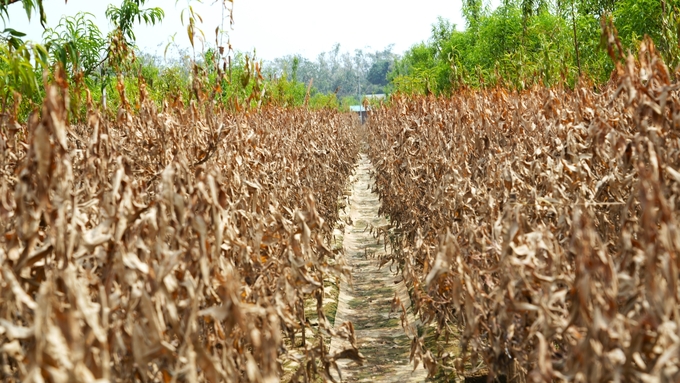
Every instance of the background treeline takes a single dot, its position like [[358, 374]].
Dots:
[[520, 43], [345, 74], [107, 68], [526, 42]]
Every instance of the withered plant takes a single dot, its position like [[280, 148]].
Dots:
[[541, 228], [169, 246]]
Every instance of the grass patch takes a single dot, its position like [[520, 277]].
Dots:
[[380, 292], [392, 322], [330, 307], [356, 304]]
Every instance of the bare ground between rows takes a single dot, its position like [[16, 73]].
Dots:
[[366, 299]]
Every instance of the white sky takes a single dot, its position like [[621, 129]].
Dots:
[[275, 27]]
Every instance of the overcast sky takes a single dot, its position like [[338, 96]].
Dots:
[[275, 27]]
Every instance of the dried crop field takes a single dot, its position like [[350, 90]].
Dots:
[[169, 246], [537, 234], [540, 229]]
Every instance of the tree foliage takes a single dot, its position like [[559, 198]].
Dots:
[[130, 12], [527, 42], [76, 43], [30, 6], [111, 72], [377, 75]]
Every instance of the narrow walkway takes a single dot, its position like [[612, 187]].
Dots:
[[367, 299]]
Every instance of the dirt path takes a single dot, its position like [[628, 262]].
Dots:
[[366, 300]]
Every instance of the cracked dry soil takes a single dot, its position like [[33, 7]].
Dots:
[[366, 299]]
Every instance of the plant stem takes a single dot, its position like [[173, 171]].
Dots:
[[573, 23]]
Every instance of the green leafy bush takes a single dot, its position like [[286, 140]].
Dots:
[[525, 43]]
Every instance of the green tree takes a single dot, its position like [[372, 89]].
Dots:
[[472, 11], [636, 18], [76, 43], [130, 12], [377, 75], [518, 44], [19, 79]]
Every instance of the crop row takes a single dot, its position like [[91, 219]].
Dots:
[[540, 228], [166, 246]]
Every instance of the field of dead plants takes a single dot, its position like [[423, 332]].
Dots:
[[540, 229], [168, 246]]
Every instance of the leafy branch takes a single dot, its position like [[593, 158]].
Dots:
[[30, 6]]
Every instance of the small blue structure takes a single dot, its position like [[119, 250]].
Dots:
[[361, 110]]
